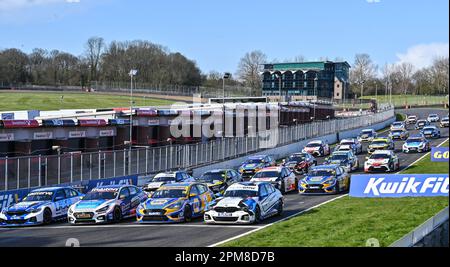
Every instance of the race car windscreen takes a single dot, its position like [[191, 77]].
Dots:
[[367, 133], [428, 129], [347, 144], [164, 179], [313, 145], [241, 193], [169, 193], [414, 140], [379, 156], [267, 174], [320, 173], [96, 195], [397, 132], [212, 176], [38, 196], [339, 157], [253, 161], [379, 143], [397, 124], [297, 158]]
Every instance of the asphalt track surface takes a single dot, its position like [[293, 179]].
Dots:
[[194, 234]]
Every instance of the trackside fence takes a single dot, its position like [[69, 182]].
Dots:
[[33, 171]]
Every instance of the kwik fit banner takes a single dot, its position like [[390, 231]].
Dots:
[[439, 154], [399, 185]]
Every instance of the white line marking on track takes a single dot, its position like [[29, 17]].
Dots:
[[282, 220], [75, 227]]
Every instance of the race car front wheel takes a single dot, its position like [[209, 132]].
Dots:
[[187, 214], [258, 218], [47, 216], [280, 207], [117, 215]]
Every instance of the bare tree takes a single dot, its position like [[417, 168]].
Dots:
[[94, 50], [405, 70], [249, 69], [363, 71], [440, 74]]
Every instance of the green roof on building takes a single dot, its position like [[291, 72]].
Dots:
[[315, 65]]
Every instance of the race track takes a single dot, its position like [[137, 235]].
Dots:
[[195, 234]]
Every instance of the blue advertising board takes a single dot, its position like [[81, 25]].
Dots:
[[439, 154], [8, 198], [399, 185], [126, 180]]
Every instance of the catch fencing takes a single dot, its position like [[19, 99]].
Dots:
[[33, 171]]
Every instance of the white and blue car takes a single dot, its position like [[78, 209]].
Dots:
[[40, 206], [416, 144], [246, 203], [431, 132], [107, 204]]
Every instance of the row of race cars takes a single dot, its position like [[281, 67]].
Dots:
[[247, 195]]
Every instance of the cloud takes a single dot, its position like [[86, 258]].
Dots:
[[6, 5], [422, 55], [373, 1]]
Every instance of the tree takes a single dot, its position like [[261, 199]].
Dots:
[[249, 69], [363, 71], [14, 66], [440, 74], [94, 49], [405, 70]]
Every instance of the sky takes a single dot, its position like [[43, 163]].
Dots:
[[216, 34]]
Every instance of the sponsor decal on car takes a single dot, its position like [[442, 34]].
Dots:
[[399, 185]]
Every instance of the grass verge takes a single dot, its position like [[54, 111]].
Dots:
[[69, 100], [350, 222]]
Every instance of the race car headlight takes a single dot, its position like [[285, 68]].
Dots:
[[330, 182], [175, 206], [70, 211], [34, 210], [103, 210]]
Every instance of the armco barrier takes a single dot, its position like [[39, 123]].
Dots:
[[422, 231]]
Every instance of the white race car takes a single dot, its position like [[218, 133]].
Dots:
[[282, 178], [398, 125], [104, 204], [317, 148], [246, 203], [382, 161], [40, 206], [433, 118], [167, 178]]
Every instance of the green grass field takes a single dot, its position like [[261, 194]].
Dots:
[[426, 166], [350, 222], [53, 101], [400, 100]]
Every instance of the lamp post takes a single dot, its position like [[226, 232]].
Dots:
[[226, 75], [316, 80], [132, 73]]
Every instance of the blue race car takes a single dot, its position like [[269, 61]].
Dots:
[[416, 144], [431, 132], [325, 179], [40, 206], [254, 164], [106, 204], [178, 202]]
